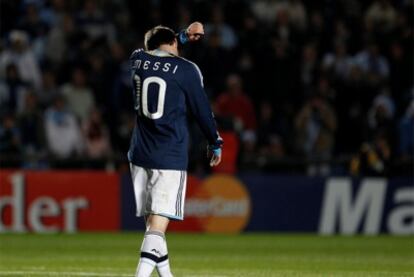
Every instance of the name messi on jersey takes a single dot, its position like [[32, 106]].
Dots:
[[148, 65]]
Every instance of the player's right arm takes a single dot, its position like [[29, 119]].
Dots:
[[200, 107]]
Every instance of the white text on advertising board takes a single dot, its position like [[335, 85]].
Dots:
[[344, 213], [39, 208], [216, 206]]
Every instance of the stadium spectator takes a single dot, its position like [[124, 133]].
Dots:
[[120, 89], [92, 20], [36, 28], [21, 54], [325, 90], [78, 95], [100, 78], [297, 13], [373, 64], [235, 103], [283, 29], [12, 90], [269, 141], [401, 69], [248, 155], [341, 34], [10, 137], [380, 116], [309, 66], [406, 133], [59, 40], [31, 124], [372, 159], [337, 64], [315, 128], [268, 138], [54, 13], [266, 10], [123, 131], [351, 104], [250, 34], [97, 144], [49, 90], [63, 135], [226, 34], [276, 149], [316, 31], [294, 10], [382, 15], [277, 65]]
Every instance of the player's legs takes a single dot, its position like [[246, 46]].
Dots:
[[157, 223], [140, 179], [165, 199], [154, 251]]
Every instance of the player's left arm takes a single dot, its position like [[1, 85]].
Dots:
[[194, 32], [200, 107]]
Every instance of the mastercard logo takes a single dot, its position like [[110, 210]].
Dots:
[[218, 204]]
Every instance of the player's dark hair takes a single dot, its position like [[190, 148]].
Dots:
[[157, 36]]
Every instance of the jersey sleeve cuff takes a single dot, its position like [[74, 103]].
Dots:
[[183, 37]]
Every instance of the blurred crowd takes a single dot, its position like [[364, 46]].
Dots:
[[321, 86]]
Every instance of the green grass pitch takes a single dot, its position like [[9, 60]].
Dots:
[[116, 254]]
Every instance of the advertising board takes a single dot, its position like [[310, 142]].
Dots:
[[71, 201], [58, 201]]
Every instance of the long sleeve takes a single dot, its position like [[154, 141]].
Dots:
[[199, 104]]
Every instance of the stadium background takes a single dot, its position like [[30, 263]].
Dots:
[[299, 86], [314, 99]]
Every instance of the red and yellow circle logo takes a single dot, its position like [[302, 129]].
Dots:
[[218, 204]]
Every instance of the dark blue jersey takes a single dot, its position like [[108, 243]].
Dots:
[[165, 89]]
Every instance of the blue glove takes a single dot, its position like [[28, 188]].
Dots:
[[214, 152], [183, 37], [216, 147]]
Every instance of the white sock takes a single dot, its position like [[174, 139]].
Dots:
[[163, 265], [164, 269], [151, 250]]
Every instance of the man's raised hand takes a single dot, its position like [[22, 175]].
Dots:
[[195, 31]]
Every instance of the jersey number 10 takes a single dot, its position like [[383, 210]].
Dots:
[[141, 96]]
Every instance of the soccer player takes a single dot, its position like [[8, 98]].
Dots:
[[166, 88]]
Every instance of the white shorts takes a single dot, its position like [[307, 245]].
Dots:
[[159, 191]]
